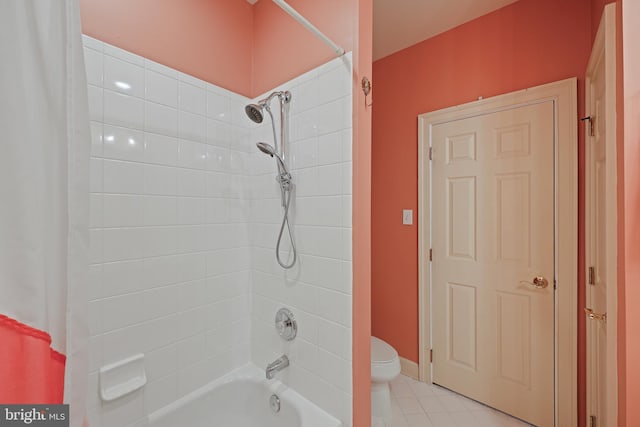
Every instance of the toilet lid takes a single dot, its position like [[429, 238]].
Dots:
[[381, 352]]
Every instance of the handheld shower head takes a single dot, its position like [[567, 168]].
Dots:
[[254, 112], [268, 149]]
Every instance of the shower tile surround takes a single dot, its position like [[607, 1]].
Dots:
[[185, 213]]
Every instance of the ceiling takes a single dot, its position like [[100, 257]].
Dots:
[[398, 24]]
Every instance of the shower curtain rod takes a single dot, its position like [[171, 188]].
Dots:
[[308, 25]]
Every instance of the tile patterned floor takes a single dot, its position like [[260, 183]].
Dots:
[[416, 404]]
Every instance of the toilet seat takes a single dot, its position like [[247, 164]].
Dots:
[[385, 363]]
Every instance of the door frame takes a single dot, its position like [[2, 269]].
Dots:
[[564, 96], [604, 49]]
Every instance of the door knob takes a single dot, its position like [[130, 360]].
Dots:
[[538, 282], [595, 316]]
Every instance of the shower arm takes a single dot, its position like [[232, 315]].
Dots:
[[266, 101]]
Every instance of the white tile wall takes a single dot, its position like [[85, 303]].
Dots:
[[168, 277], [319, 288], [185, 213]]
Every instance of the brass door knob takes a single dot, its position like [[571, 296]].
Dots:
[[595, 316], [540, 282]]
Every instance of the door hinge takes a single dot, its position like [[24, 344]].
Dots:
[[430, 254], [430, 153], [592, 275], [592, 421], [431, 356], [590, 120]]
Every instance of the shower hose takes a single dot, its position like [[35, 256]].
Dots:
[[286, 199], [285, 187]]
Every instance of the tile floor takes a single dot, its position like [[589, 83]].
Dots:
[[416, 404]]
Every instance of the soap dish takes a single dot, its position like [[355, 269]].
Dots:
[[122, 377]]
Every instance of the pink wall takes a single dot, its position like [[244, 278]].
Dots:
[[189, 35], [630, 233], [261, 45], [283, 49], [528, 43], [497, 53], [362, 220], [597, 6]]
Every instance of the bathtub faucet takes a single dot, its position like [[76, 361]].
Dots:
[[276, 366]]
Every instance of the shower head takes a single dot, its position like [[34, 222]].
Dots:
[[254, 112], [268, 149]]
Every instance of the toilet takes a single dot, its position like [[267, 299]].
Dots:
[[385, 366]]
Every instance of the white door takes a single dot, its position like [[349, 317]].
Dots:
[[493, 259], [600, 224]]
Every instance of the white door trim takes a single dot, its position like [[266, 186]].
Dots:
[[604, 48], [564, 96]]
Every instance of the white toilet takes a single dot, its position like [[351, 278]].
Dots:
[[385, 366]]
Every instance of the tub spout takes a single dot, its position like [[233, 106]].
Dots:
[[276, 366]]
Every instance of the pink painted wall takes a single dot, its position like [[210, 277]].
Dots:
[[363, 51], [283, 49], [261, 45], [189, 35], [497, 53], [527, 43], [597, 6]]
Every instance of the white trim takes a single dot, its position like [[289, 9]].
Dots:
[[424, 242], [564, 96], [409, 368], [604, 48]]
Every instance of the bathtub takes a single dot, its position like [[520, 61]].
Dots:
[[242, 399]]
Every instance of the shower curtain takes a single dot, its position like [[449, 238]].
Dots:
[[44, 191]]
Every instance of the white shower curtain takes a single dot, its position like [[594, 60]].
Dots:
[[44, 191]]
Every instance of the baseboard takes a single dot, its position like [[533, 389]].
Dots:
[[409, 368]]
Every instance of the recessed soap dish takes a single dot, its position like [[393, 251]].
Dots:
[[122, 377]]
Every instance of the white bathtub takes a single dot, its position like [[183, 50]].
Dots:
[[241, 399]]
